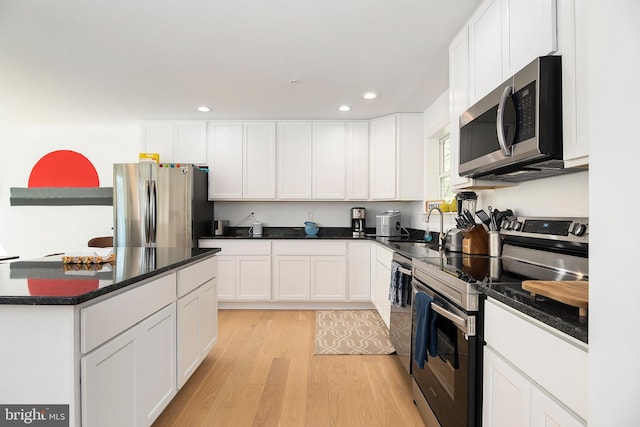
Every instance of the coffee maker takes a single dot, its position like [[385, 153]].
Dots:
[[358, 222]]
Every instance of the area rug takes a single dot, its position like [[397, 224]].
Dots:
[[351, 332]]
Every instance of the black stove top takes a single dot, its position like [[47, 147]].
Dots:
[[544, 249], [482, 269]]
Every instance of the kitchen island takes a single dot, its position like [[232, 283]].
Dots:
[[105, 344]]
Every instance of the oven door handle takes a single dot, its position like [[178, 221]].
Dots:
[[459, 321], [404, 271]]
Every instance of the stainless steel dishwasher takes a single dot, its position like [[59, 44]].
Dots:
[[400, 320]]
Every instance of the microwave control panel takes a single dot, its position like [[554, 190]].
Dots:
[[525, 104]]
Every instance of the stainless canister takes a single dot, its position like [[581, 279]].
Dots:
[[219, 226], [495, 243]]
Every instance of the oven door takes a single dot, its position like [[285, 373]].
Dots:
[[450, 380]]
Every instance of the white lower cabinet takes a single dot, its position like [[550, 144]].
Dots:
[[208, 316], [305, 278], [506, 394], [381, 272], [244, 277], [547, 412], [510, 399], [253, 278], [519, 388], [297, 270], [328, 278], [197, 329], [359, 266], [129, 380], [142, 345], [197, 316], [306, 271], [244, 269], [226, 277], [291, 278]]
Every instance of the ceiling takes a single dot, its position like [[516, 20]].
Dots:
[[79, 61]]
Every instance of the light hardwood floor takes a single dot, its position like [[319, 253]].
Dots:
[[262, 372]]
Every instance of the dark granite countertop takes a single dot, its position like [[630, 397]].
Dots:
[[289, 233], [417, 246], [47, 281], [559, 316]]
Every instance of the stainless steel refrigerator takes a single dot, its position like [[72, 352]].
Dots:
[[160, 205]]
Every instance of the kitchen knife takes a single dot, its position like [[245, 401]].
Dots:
[[469, 217], [459, 223]]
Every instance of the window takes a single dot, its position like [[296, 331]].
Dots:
[[444, 153]]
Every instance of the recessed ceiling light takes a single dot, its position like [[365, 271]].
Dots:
[[204, 109], [370, 95], [344, 108]]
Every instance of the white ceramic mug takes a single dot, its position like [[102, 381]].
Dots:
[[256, 229]]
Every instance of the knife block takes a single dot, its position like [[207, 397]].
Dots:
[[476, 241]]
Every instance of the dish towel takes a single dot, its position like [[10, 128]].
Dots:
[[394, 283], [399, 287], [426, 337]]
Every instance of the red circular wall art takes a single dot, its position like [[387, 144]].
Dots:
[[63, 168]]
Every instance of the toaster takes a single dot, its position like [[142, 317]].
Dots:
[[388, 224]]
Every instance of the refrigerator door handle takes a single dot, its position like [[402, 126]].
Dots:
[[154, 221], [147, 213]]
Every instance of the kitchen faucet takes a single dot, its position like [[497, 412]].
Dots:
[[441, 235]]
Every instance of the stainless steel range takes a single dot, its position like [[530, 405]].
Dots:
[[447, 330]]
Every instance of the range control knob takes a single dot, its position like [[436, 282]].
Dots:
[[578, 229], [517, 225]]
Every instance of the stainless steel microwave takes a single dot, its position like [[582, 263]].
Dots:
[[515, 132]]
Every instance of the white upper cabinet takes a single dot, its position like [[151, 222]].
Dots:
[[409, 146], [259, 160], [294, 146], [530, 31], [395, 150], [506, 35], [458, 99], [224, 155], [242, 159], [328, 169], [357, 160], [382, 151], [176, 141], [485, 37], [157, 137], [190, 143], [572, 35]]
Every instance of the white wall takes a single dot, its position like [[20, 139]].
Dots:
[[614, 348], [326, 214], [34, 231], [563, 196]]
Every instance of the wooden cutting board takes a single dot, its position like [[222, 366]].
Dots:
[[572, 292]]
